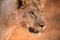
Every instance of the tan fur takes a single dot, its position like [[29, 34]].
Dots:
[[11, 16]]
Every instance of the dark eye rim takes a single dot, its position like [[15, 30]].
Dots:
[[32, 14]]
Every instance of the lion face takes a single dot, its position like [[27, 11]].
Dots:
[[30, 15]]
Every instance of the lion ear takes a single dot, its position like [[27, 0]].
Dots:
[[22, 3], [42, 2], [25, 2], [19, 3]]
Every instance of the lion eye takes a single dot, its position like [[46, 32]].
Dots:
[[33, 16]]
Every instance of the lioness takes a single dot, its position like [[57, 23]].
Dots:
[[21, 13]]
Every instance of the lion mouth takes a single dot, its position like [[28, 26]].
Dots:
[[36, 30], [32, 30]]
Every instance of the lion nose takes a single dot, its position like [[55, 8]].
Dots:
[[41, 23]]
